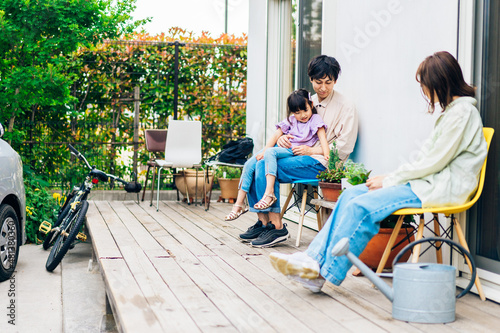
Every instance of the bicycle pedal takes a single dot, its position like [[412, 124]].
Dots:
[[45, 227], [81, 237]]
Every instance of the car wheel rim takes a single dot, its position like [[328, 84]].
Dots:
[[8, 242]]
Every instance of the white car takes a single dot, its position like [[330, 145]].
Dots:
[[12, 208]]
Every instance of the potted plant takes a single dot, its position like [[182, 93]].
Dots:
[[330, 179], [375, 249], [355, 173], [229, 179]]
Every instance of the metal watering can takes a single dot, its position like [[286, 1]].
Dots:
[[421, 292]]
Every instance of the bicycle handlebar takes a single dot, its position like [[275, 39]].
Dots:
[[129, 187]]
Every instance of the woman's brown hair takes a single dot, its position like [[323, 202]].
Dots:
[[441, 75]]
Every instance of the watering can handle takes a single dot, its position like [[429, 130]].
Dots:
[[451, 243]]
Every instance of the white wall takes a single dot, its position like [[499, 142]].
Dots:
[[379, 45], [256, 75]]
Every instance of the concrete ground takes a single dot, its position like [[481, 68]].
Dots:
[[70, 299]]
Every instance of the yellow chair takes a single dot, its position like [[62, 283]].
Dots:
[[448, 212]]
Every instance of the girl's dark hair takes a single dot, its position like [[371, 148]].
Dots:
[[441, 75], [297, 101], [323, 66]]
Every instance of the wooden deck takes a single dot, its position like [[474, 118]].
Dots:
[[183, 269]]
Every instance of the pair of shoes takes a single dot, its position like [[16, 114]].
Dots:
[[313, 285], [234, 215], [263, 204], [253, 232], [271, 236], [297, 264]]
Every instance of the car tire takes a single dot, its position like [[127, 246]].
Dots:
[[9, 241]]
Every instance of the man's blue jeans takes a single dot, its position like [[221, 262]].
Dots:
[[289, 169], [357, 216]]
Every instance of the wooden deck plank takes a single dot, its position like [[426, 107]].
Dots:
[[224, 285], [237, 311], [194, 300], [102, 241], [170, 313], [130, 308], [235, 259]]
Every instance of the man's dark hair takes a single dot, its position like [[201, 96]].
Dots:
[[323, 66]]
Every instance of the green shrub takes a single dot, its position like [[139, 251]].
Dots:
[[40, 204]]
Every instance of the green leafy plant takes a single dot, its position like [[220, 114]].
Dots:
[[335, 171], [227, 172], [40, 204], [355, 173]]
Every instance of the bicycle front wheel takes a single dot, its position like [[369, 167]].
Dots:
[[66, 236]]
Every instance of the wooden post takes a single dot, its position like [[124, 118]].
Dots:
[[137, 103]]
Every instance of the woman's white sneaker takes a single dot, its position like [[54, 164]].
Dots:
[[297, 264]]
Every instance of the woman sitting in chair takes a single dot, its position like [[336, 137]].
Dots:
[[445, 173]]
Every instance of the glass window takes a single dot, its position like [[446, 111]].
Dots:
[[307, 16], [485, 232]]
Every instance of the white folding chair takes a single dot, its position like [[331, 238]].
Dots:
[[182, 150]]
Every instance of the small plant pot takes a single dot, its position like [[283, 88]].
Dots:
[[375, 249], [331, 191], [229, 188]]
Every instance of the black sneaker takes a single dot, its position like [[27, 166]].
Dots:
[[271, 236], [253, 232]]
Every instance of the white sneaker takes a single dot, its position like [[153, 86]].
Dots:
[[313, 285], [297, 264]]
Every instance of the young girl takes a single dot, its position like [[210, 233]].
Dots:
[[303, 126]]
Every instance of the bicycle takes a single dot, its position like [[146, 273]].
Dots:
[[72, 214]]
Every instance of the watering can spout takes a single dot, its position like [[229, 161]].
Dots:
[[342, 248]]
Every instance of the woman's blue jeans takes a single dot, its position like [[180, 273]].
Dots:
[[357, 216]]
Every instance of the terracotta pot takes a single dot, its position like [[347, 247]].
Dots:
[[331, 191], [375, 249], [191, 183], [229, 188]]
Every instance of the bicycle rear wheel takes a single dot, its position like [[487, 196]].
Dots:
[[66, 236]]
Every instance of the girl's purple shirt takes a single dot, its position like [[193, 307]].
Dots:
[[303, 133]]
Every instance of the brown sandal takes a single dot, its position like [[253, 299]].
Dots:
[[263, 204], [234, 215]]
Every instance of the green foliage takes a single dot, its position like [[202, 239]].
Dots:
[[391, 220], [227, 172], [98, 116], [37, 40], [335, 171], [355, 173], [40, 205]]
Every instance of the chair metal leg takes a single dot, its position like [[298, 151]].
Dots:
[[437, 231], [158, 191], [285, 206], [302, 213], [463, 242], [146, 183], [420, 234], [390, 244], [186, 184], [207, 174], [153, 187], [196, 188]]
